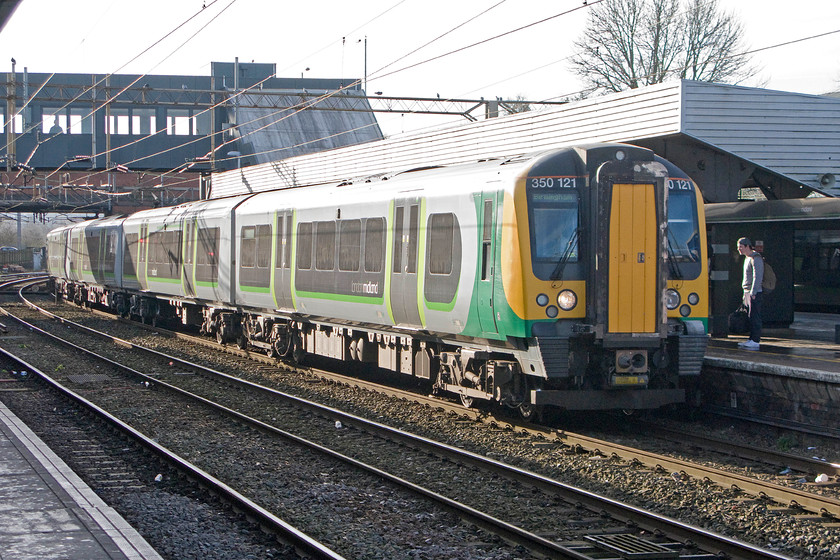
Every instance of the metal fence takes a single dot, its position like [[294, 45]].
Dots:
[[30, 258]]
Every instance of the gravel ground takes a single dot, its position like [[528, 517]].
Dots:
[[175, 516], [694, 502]]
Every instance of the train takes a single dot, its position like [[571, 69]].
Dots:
[[575, 278]]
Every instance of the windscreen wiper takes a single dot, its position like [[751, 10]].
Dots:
[[567, 254], [675, 271]]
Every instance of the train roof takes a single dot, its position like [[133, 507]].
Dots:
[[208, 208]]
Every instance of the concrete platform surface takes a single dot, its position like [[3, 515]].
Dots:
[[47, 512], [806, 349]]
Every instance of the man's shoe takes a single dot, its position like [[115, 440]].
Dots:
[[749, 345]]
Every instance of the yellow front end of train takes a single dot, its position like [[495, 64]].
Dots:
[[605, 272]]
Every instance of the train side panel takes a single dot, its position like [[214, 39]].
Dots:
[[574, 278]]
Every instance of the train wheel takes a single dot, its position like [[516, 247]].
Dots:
[[281, 346], [529, 411], [298, 353], [466, 401]]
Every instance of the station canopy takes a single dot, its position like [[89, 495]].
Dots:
[[729, 139]]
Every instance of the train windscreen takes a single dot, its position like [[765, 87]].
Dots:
[[683, 232], [554, 219]]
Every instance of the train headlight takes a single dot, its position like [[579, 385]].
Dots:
[[672, 298], [551, 311], [567, 300], [693, 298], [542, 300], [685, 310], [620, 155]]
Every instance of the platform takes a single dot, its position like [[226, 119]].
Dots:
[[806, 348], [794, 377], [47, 512]]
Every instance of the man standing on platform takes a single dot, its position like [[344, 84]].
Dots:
[[753, 277]]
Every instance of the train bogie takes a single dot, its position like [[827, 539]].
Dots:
[[575, 278]]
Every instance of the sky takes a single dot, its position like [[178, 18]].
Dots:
[[415, 48]]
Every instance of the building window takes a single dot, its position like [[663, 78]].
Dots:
[[80, 121], [54, 121], [178, 122], [201, 123], [143, 122], [117, 122]]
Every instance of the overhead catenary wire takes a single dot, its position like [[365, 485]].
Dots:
[[204, 7], [298, 108], [481, 42], [373, 77], [106, 77]]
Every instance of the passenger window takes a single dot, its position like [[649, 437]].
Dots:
[[287, 247], [281, 243], [441, 233], [248, 247], [398, 233], [486, 240], [304, 246], [188, 242], [263, 246], [349, 245], [325, 245], [413, 217], [374, 244]]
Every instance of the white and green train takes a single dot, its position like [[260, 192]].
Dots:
[[575, 278]]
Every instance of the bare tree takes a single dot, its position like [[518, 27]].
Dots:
[[713, 45], [516, 105], [631, 43]]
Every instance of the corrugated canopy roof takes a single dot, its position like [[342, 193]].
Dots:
[[273, 134], [725, 137]]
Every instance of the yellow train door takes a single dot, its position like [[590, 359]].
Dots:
[[633, 260]]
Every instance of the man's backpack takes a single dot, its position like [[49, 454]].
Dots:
[[768, 283]]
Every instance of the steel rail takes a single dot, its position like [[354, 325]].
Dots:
[[643, 518], [808, 465], [507, 531], [300, 540]]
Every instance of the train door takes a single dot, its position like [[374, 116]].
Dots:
[[406, 220], [66, 240], [75, 260], [143, 250], [487, 252], [633, 235], [283, 260], [189, 227]]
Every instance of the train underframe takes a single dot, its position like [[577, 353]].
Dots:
[[572, 373]]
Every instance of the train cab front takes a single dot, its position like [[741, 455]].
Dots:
[[601, 269]]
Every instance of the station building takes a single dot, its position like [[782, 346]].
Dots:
[[128, 141]]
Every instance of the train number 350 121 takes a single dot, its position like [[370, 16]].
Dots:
[[553, 182]]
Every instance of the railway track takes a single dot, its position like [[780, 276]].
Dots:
[[800, 502], [557, 498]]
